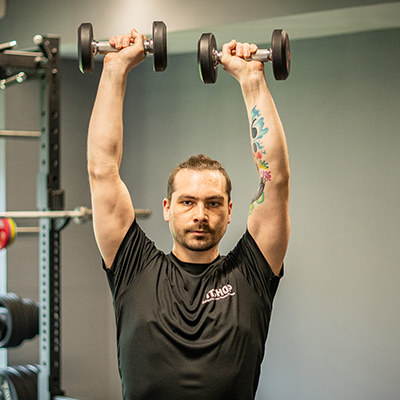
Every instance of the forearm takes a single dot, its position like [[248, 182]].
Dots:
[[267, 135]]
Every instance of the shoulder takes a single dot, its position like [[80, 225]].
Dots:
[[136, 247], [248, 258]]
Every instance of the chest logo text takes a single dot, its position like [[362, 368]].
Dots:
[[219, 294]]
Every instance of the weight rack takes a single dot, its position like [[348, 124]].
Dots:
[[43, 64]]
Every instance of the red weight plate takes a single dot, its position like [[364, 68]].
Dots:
[[4, 233]]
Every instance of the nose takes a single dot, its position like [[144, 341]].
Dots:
[[200, 214]]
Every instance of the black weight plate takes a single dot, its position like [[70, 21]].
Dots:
[[3, 324], [159, 46], [22, 320], [30, 378], [206, 47], [280, 54], [7, 388], [85, 51], [20, 384]]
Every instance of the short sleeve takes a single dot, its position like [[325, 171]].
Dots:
[[134, 254], [255, 268]]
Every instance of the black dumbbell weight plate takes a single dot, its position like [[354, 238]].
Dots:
[[280, 54], [85, 51], [159, 46], [206, 48]]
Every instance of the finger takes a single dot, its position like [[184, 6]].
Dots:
[[137, 38], [119, 41], [126, 41], [113, 40], [253, 48], [239, 49], [229, 48], [246, 50]]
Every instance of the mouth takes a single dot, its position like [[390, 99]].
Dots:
[[197, 232]]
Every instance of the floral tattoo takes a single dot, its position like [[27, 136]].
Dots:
[[258, 131]]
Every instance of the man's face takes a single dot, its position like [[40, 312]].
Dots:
[[199, 211]]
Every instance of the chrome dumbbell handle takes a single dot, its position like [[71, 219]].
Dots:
[[263, 55], [105, 47]]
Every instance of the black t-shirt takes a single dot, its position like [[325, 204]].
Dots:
[[187, 331]]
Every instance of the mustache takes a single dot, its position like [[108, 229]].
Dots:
[[199, 227]]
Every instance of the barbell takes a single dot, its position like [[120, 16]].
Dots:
[[208, 57], [9, 229]]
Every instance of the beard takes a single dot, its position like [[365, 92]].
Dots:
[[208, 239]]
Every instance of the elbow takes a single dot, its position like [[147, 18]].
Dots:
[[101, 170], [283, 178]]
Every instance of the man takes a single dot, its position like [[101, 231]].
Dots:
[[191, 325]]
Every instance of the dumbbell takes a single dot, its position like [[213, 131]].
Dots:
[[208, 57], [88, 47]]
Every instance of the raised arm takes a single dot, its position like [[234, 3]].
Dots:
[[268, 220], [112, 206]]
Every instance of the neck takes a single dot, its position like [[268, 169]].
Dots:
[[195, 257]]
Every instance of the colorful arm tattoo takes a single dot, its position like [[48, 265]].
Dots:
[[257, 133]]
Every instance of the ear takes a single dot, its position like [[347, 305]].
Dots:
[[230, 211], [166, 209]]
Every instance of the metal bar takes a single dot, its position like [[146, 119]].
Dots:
[[27, 229], [23, 53], [8, 45], [80, 214], [48, 196], [3, 254], [12, 80], [20, 134], [22, 59]]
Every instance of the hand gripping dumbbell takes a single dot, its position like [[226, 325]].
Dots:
[[88, 47], [208, 57]]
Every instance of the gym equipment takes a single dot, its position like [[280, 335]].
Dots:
[[79, 214], [42, 64], [8, 46], [8, 232], [20, 134], [19, 383], [88, 47], [18, 78], [208, 57], [19, 320]]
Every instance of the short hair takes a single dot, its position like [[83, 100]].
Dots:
[[199, 163]]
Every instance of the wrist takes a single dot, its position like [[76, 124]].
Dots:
[[253, 85], [115, 69]]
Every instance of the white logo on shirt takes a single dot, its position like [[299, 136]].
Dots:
[[218, 294]]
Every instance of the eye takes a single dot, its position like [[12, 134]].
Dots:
[[213, 204], [186, 202]]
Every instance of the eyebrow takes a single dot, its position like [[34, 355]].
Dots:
[[190, 197]]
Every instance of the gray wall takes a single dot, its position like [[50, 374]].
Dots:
[[335, 327]]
